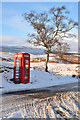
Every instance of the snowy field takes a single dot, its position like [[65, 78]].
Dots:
[[59, 68]]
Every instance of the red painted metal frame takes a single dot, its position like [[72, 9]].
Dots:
[[22, 67]]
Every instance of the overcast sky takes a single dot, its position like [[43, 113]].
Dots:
[[15, 28]]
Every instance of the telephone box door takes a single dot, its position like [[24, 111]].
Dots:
[[17, 70], [26, 70]]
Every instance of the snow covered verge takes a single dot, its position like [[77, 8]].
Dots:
[[38, 79]]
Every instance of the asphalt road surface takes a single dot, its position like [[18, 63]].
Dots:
[[47, 91]]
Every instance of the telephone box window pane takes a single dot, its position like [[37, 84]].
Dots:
[[17, 76], [17, 67], [26, 66], [26, 73], [26, 80], [17, 80], [17, 72], [26, 77], [26, 61]]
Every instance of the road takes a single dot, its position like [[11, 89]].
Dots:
[[15, 101]]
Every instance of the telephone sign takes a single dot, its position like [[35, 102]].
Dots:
[[21, 68]]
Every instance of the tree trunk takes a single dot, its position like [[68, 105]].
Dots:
[[47, 59], [61, 58]]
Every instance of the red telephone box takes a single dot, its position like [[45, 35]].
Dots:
[[21, 68]]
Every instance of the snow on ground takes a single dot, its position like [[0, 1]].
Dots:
[[59, 68], [63, 105], [38, 79]]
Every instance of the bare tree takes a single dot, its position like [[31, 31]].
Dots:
[[62, 49], [49, 29]]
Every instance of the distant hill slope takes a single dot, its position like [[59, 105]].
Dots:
[[14, 49]]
